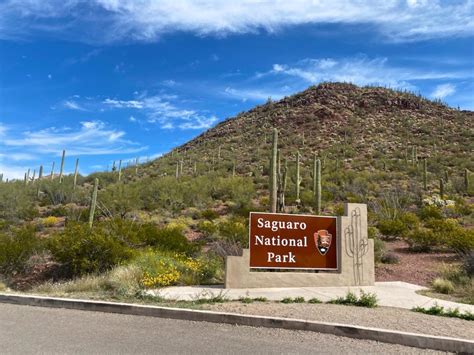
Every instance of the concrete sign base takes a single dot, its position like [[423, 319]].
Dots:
[[356, 260]]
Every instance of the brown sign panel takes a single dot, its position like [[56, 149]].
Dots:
[[289, 241]]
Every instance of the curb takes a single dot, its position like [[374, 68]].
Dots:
[[358, 332]]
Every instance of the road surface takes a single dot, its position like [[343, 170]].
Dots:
[[28, 330]]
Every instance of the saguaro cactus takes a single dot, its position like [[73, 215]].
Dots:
[[120, 170], [93, 202], [61, 171], [1, 177], [34, 175], [425, 174], [40, 174], [317, 185], [177, 170], [282, 179], [466, 180], [413, 155], [52, 171], [273, 173], [75, 173], [298, 178], [441, 188], [136, 165]]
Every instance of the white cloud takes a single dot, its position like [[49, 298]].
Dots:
[[160, 109], [359, 70], [148, 20], [92, 138], [73, 105], [443, 90]]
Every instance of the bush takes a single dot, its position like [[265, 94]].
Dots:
[[82, 250], [443, 286], [364, 300], [16, 247], [390, 258], [437, 310], [161, 269], [379, 250], [431, 212]]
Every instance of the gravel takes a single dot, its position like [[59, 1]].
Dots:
[[380, 317]]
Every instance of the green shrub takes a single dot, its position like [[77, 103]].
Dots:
[[16, 247], [437, 310], [392, 227], [364, 300], [171, 239], [431, 212], [82, 250], [209, 214], [379, 250], [443, 286], [314, 300], [390, 258]]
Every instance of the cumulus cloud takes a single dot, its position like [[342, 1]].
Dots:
[[148, 20], [443, 90]]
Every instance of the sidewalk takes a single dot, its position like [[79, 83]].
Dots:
[[390, 294]]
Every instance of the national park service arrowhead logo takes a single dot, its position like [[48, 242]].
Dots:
[[322, 239]]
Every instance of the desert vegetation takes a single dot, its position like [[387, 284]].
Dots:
[[172, 221]]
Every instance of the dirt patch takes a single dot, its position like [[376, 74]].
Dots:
[[415, 268]]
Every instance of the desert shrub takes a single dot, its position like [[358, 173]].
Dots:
[[169, 238], [209, 214], [207, 228], [119, 199], [430, 212], [422, 239], [161, 269], [390, 258], [443, 286], [437, 310], [366, 299], [58, 211], [379, 250], [49, 221], [82, 250], [314, 300], [398, 226], [16, 247], [392, 227], [17, 202]]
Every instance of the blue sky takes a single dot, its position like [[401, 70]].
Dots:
[[119, 79]]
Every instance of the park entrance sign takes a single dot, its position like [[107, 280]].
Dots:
[[289, 241], [292, 246]]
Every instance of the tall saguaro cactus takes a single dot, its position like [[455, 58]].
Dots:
[[425, 174], [413, 155], [273, 173], [441, 188], [75, 173], [466, 180], [52, 171], [61, 171], [120, 170], [40, 174], [317, 185], [298, 178], [93, 202]]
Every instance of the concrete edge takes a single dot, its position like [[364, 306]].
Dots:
[[358, 332]]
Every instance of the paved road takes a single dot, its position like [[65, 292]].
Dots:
[[26, 330]]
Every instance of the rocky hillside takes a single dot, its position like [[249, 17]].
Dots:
[[359, 126]]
